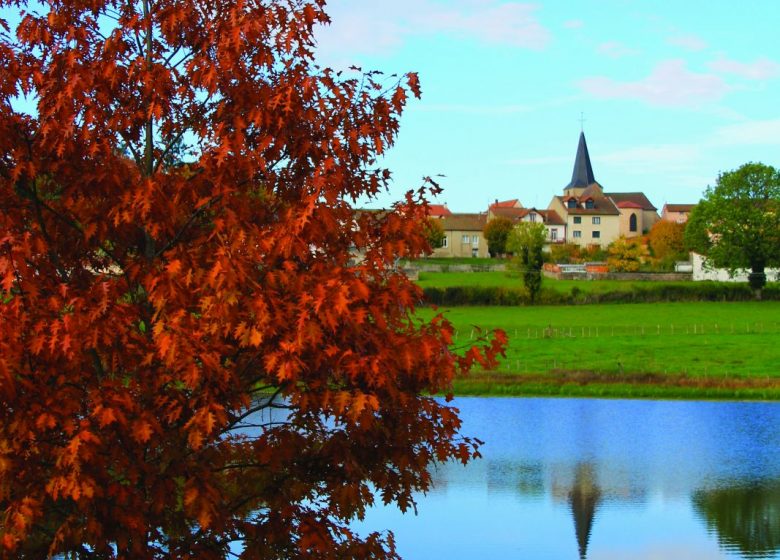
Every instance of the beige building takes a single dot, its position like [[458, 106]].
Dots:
[[593, 217], [677, 212], [463, 236]]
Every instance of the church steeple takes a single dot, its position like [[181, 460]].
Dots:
[[582, 176]]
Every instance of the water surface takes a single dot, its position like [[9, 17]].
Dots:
[[603, 479]]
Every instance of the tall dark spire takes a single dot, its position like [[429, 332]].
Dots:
[[582, 176]]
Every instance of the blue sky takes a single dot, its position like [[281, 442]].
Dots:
[[673, 92]]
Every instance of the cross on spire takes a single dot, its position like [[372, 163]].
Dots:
[[582, 122]]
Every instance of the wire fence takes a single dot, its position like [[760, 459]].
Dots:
[[581, 331]]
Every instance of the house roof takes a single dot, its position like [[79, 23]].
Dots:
[[464, 222], [509, 213], [635, 197], [679, 207], [438, 210], [514, 203], [582, 175], [628, 204], [602, 206], [552, 218]]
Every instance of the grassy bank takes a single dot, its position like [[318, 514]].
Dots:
[[701, 350]]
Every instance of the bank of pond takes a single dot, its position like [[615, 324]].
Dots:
[[679, 350]]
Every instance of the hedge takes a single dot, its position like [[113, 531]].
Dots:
[[698, 291]]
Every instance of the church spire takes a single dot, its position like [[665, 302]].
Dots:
[[582, 176]]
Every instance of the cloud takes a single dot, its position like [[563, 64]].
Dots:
[[669, 157], [765, 132], [614, 49], [688, 42], [669, 84], [573, 24], [760, 69], [361, 27]]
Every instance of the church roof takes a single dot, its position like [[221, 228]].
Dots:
[[582, 175], [635, 197]]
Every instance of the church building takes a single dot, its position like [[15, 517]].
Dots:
[[593, 217]]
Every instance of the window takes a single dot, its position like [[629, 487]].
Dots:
[[596, 220], [465, 238], [576, 233], [596, 234], [577, 219], [445, 242], [553, 234], [571, 203], [532, 217], [632, 223], [475, 239], [589, 203]]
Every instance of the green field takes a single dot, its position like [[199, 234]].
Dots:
[[702, 349], [510, 280]]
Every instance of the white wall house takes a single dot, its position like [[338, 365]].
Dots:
[[702, 272]]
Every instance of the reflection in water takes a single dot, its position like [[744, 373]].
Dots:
[[584, 497], [746, 518], [603, 479]]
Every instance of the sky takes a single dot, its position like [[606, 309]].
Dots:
[[672, 93]]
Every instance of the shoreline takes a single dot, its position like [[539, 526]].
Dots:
[[567, 383]]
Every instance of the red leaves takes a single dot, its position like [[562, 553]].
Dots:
[[177, 325]]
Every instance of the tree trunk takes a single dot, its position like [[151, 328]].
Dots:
[[757, 279]]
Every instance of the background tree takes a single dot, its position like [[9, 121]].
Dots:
[[496, 233], [434, 232], [527, 241], [737, 224], [667, 240], [187, 358], [625, 255]]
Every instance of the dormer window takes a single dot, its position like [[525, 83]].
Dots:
[[589, 203], [572, 203]]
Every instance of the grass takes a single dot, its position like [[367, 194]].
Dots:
[[702, 349], [512, 280], [446, 261]]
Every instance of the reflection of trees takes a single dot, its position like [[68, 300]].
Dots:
[[584, 497], [745, 517]]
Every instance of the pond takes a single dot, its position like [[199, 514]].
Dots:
[[603, 479]]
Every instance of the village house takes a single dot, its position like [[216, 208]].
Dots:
[[677, 213], [514, 211], [463, 236], [594, 217]]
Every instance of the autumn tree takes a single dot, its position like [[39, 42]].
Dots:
[[527, 241], [434, 232], [190, 367], [496, 233], [625, 255], [667, 240], [737, 223]]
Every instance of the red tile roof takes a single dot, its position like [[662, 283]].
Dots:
[[628, 204], [514, 203], [438, 210]]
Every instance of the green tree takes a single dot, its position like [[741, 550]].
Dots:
[[625, 255], [496, 233], [526, 241], [434, 232], [737, 224]]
